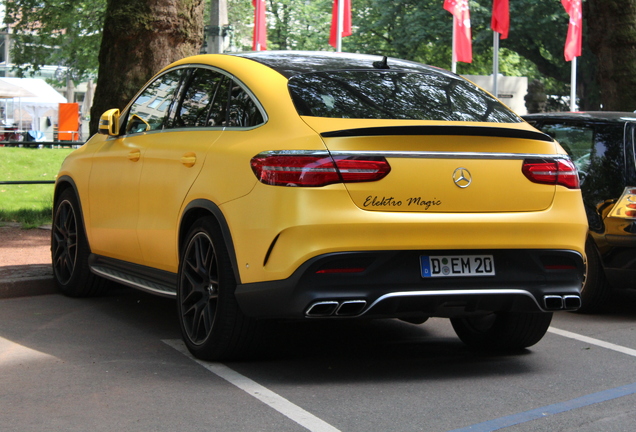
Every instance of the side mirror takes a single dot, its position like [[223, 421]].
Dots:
[[109, 123]]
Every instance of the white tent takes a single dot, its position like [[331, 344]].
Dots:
[[44, 105], [10, 91]]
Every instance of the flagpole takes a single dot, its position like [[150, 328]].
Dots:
[[495, 63], [340, 25], [454, 55], [257, 23], [573, 86]]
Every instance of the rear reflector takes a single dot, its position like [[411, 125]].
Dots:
[[317, 170], [341, 270], [553, 172]]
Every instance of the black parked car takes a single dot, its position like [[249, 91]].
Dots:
[[602, 146]]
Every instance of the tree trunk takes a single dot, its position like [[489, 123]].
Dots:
[[612, 37], [140, 37]]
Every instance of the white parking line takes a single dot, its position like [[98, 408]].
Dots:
[[593, 341], [268, 397]]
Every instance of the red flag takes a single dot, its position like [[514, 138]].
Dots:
[[463, 37], [260, 26], [346, 22], [575, 29], [500, 21]]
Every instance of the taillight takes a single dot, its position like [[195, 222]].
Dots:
[[278, 169], [553, 172]]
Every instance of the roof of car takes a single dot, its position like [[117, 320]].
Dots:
[[608, 116], [290, 63]]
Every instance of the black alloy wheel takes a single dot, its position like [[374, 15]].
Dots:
[[212, 323], [64, 242], [199, 286], [70, 250]]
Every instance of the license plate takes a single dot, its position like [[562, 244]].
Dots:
[[457, 265]]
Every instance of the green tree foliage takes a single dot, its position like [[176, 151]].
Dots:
[[67, 32], [421, 30], [55, 32], [291, 24], [300, 24]]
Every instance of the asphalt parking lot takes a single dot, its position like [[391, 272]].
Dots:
[[117, 363]]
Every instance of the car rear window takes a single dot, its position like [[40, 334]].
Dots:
[[400, 95]]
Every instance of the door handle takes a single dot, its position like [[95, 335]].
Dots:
[[189, 159], [134, 155]]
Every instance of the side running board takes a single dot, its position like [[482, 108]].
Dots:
[[136, 276]]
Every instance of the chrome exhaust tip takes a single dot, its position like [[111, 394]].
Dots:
[[553, 302], [572, 302], [566, 302], [351, 308], [322, 309]]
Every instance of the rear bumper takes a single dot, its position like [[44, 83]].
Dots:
[[389, 284]]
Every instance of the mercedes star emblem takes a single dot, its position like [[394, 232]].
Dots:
[[462, 177]]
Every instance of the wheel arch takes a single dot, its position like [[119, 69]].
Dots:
[[62, 184], [201, 208]]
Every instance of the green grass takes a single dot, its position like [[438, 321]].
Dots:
[[29, 205]]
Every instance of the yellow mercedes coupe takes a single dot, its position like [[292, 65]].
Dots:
[[323, 186]]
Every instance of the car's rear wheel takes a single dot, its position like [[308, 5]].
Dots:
[[212, 324], [70, 250], [502, 331], [596, 290]]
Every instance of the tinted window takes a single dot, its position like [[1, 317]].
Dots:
[[218, 113], [150, 109], [242, 111], [394, 95], [194, 108]]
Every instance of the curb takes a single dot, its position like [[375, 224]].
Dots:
[[26, 280]]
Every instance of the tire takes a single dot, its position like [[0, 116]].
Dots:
[[212, 324], [70, 251], [502, 331], [596, 290]]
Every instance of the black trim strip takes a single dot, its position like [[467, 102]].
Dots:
[[488, 131]]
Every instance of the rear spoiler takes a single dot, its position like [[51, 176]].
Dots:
[[487, 131]]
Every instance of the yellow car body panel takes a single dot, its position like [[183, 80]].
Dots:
[[113, 202], [287, 235], [168, 173]]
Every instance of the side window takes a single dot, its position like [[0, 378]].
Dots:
[[150, 109], [197, 99], [218, 113], [242, 111]]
